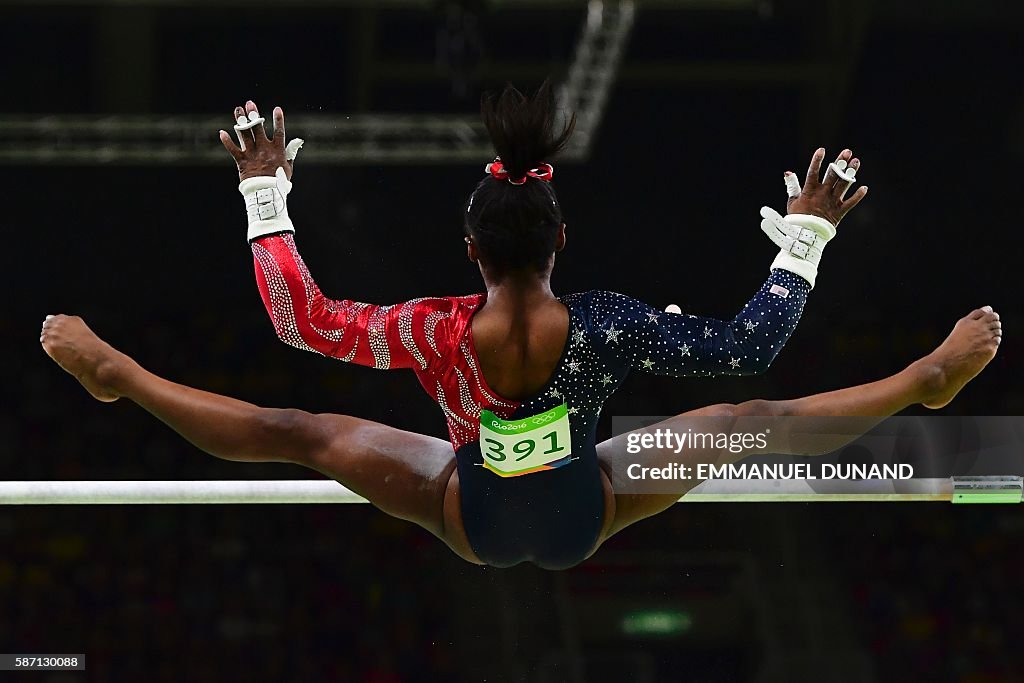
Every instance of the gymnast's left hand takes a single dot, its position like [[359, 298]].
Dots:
[[256, 154], [826, 198]]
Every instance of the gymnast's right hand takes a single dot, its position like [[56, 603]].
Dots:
[[825, 198], [256, 154]]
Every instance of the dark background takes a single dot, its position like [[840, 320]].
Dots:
[[698, 129]]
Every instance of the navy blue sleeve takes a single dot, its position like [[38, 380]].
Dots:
[[680, 345]]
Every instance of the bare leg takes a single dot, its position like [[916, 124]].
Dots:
[[407, 475], [933, 381]]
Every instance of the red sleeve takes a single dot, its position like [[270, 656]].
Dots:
[[399, 336]]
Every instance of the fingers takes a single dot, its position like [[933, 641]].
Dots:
[[279, 125], [853, 201], [254, 135], [792, 184], [229, 144], [792, 187], [244, 136], [814, 170], [830, 175], [843, 186], [258, 131]]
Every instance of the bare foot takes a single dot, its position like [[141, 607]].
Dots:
[[77, 349], [966, 351]]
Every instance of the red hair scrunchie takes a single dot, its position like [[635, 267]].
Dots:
[[497, 169]]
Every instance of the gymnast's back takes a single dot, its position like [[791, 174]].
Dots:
[[522, 391]]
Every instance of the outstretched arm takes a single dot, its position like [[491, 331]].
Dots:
[[382, 337], [682, 345]]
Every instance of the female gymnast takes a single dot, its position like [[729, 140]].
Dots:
[[519, 373]]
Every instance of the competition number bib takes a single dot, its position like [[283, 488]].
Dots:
[[511, 448]]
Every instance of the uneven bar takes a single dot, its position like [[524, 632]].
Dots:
[[1008, 489]]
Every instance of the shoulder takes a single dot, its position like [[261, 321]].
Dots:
[[448, 306], [601, 305], [590, 300], [441, 323]]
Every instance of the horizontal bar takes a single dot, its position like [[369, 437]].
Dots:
[[834, 491], [298, 491], [204, 492]]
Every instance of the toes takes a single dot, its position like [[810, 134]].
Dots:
[[53, 324], [985, 313], [47, 321]]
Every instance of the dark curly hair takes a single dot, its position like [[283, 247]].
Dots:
[[515, 227]]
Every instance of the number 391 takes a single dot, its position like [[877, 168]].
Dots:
[[523, 449]]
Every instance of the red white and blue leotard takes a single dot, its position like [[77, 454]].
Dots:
[[551, 517]]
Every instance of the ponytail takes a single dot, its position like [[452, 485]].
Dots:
[[513, 215]]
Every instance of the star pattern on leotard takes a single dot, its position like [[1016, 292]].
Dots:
[[578, 379], [612, 335], [651, 341]]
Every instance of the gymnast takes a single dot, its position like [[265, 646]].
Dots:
[[519, 373]]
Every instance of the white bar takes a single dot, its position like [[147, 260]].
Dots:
[[298, 491], [834, 490], [281, 491]]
